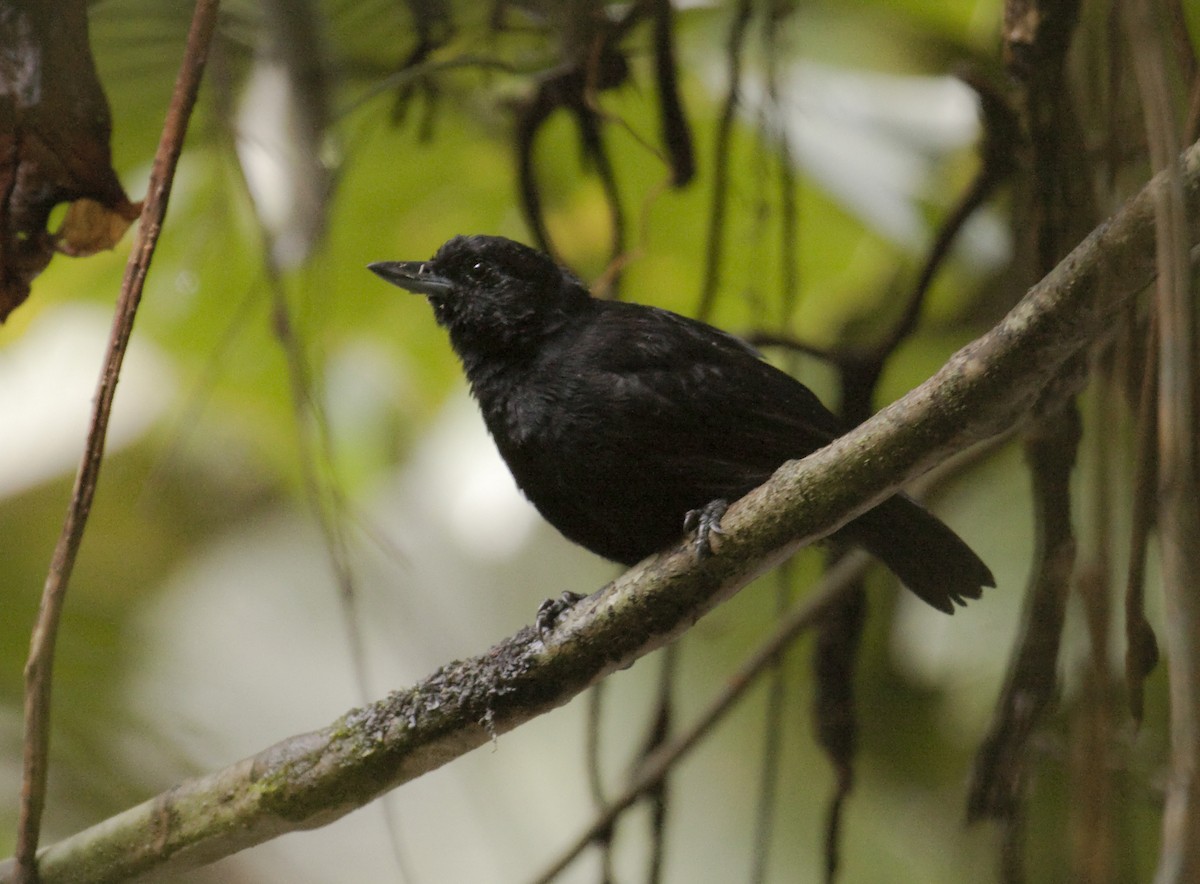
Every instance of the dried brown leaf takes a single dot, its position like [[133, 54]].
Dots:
[[91, 227], [54, 143]]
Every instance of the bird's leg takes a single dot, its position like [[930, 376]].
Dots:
[[705, 521], [550, 610]]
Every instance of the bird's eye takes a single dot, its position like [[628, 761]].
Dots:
[[478, 266]]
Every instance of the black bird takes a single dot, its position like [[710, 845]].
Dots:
[[619, 421]]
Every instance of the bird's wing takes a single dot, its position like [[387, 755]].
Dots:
[[704, 410]]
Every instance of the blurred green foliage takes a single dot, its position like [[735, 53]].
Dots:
[[227, 456]]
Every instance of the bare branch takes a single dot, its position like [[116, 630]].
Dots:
[[41, 651]]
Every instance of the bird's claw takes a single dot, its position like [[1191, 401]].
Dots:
[[705, 521], [550, 610]]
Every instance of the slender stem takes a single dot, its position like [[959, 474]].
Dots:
[[1178, 515], [39, 667]]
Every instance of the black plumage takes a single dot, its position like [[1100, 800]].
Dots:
[[618, 419]]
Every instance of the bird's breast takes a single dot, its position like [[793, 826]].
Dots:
[[515, 411]]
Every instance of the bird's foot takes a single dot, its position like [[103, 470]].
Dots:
[[550, 610], [705, 521]]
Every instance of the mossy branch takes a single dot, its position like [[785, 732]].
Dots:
[[310, 780]]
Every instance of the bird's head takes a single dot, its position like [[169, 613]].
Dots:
[[491, 293]]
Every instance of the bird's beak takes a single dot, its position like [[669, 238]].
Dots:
[[413, 276]]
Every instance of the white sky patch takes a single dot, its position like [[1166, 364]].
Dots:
[[874, 141], [288, 181], [48, 380], [467, 486]]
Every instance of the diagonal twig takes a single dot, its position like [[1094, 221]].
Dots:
[[721, 153], [654, 767], [39, 667]]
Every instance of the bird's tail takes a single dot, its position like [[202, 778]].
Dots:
[[919, 548]]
